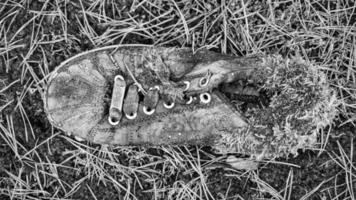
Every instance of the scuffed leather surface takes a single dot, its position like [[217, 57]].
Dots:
[[77, 100], [79, 94]]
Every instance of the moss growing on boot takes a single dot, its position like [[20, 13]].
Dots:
[[302, 103]]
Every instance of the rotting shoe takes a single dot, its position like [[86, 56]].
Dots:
[[145, 95]]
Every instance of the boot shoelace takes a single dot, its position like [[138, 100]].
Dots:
[[129, 105]]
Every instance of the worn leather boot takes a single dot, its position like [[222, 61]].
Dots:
[[144, 95]]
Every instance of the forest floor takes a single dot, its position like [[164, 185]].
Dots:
[[38, 161]]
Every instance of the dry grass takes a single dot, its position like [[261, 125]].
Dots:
[[38, 162]]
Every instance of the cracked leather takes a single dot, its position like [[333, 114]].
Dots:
[[78, 95]]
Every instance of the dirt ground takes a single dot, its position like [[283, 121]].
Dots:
[[38, 161]]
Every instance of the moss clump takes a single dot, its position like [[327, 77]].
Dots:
[[302, 103]]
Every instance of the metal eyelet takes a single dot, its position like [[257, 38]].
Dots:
[[148, 111], [79, 139], [131, 116], [190, 100], [156, 87], [119, 77], [205, 98], [170, 105], [203, 82], [187, 83], [113, 121]]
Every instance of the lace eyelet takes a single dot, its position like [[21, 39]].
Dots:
[[119, 77], [187, 83], [203, 82], [190, 100], [113, 121], [156, 87], [148, 111], [169, 105], [131, 116], [205, 98]]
